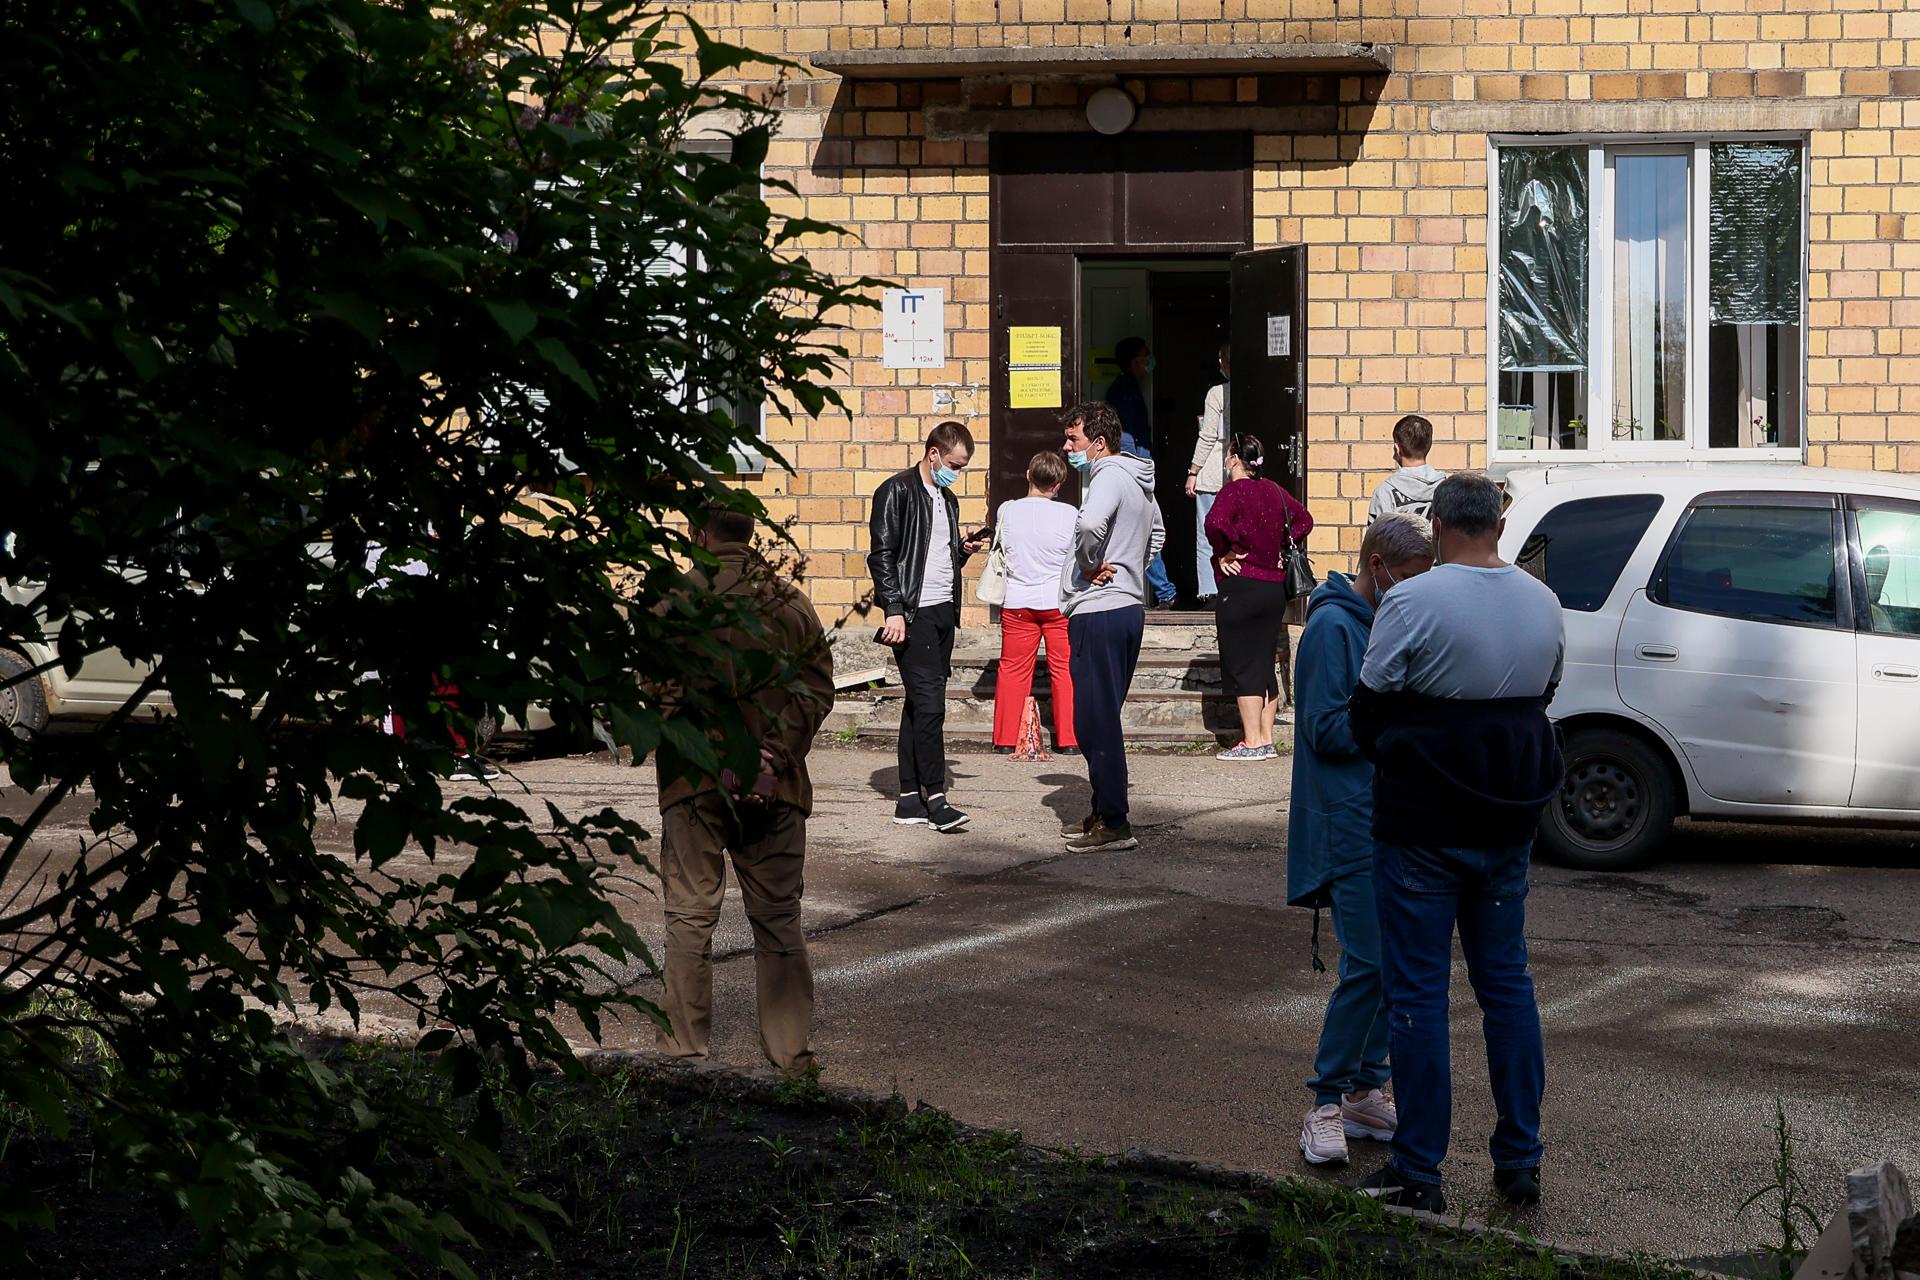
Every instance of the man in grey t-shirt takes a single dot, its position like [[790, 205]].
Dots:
[[1451, 708]]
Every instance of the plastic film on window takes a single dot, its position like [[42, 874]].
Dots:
[[1543, 258], [1753, 233]]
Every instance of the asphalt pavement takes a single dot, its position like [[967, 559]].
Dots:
[[1162, 998]]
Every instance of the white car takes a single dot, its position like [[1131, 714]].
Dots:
[[103, 683], [1743, 643]]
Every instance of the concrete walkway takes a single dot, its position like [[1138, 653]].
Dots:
[[1162, 998]]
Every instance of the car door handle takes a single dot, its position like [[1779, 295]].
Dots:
[[1896, 673], [1657, 652]]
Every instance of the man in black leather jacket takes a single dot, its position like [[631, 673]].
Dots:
[[916, 551]]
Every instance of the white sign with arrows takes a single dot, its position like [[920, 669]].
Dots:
[[913, 327]]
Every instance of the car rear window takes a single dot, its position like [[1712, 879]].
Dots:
[[1769, 564], [1579, 548]]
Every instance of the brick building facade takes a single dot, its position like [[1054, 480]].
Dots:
[[1615, 230]]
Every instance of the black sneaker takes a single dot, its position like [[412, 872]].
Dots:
[[1100, 835], [911, 811], [1075, 830], [1519, 1186], [473, 769], [1161, 606], [1003, 751], [1066, 751], [1388, 1187], [942, 816]]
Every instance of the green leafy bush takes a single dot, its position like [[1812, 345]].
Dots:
[[296, 292]]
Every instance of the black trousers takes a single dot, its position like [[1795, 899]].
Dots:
[[925, 661], [1105, 649]]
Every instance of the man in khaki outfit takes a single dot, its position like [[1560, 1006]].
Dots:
[[762, 823]]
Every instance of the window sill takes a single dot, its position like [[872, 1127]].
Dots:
[[1642, 457]]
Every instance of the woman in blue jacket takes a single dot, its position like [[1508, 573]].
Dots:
[[1330, 839]]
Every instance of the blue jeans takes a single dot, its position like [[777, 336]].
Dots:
[[1202, 549], [1353, 1034], [1422, 893], [1157, 580]]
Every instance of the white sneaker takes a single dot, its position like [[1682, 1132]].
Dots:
[[1323, 1140], [1369, 1115]]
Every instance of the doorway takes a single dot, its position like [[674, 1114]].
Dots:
[[1148, 220], [1181, 307]]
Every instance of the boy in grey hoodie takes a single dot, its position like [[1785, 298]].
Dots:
[[1410, 488], [1103, 592]]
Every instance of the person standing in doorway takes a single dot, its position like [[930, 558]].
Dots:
[[1465, 761], [915, 553], [1330, 839], [1036, 535], [1410, 488], [1103, 592], [762, 822], [1127, 394], [1207, 473], [1249, 529]]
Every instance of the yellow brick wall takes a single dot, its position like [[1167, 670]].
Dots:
[[1396, 226]]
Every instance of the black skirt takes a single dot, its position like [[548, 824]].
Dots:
[[1248, 617]]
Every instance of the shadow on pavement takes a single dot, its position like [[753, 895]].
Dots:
[[1750, 844]]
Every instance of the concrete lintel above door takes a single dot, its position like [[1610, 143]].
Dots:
[[1107, 59], [967, 123]]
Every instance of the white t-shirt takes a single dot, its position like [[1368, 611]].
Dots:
[[1037, 536], [936, 584]]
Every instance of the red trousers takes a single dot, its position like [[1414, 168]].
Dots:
[[1021, 631]]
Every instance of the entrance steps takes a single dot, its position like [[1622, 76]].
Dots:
[[1175, 700]]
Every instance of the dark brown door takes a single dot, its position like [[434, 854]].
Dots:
[[1028, 289], [1055, 196], [1269, 385]]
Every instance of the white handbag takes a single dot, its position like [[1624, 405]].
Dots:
[[992, 587]]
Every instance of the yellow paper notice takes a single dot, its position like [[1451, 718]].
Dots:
[[1033, 388], [1033, 345]]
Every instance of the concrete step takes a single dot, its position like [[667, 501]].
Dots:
[[1174, 715], [1176, 694], [1156, 672]]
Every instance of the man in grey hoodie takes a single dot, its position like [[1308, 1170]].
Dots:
[[1410, 488], [1103, 592]]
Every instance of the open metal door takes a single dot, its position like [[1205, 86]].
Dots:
[[1269, 337]]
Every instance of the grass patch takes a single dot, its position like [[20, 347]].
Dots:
[[687, 1175]]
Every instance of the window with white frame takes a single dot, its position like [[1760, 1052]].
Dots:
[[1646, 297], [744, 405]]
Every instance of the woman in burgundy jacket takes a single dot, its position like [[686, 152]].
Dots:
[[1249, 527]]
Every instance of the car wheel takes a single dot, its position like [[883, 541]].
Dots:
[[1615, 809], [23, 699]]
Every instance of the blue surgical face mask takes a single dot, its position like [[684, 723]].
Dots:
[[1152, 363], [1079, 460], [945, 477]]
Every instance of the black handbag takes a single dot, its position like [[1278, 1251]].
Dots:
[[1300, 579]]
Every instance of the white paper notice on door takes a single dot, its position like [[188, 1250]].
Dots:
[[1279, 335]]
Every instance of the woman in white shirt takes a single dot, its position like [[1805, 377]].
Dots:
[[1207, 475], [1036, 535]]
